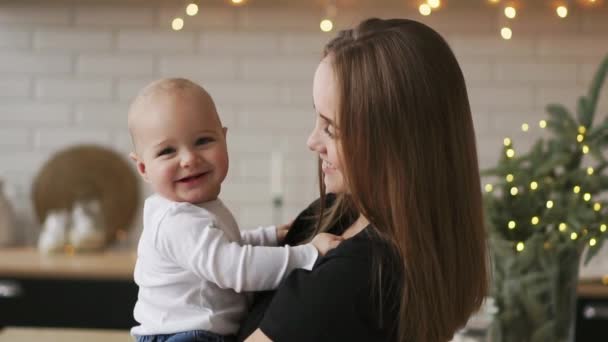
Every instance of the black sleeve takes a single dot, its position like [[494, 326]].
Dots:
[[319, 305]]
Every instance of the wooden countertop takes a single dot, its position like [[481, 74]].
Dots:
[[11, 334], [28, 262]]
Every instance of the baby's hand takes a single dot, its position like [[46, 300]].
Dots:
[[282, 231], [325, 242]]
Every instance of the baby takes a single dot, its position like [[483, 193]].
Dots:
[[193, 264]]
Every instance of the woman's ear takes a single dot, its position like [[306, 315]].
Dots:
[[140, 165]]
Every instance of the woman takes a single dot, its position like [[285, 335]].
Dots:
[[399, 182]]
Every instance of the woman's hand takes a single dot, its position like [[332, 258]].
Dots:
[[325, 242]]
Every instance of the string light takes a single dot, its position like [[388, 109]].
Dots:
[[514, 191], [506, 142], [177, 24], [509, 178], [424, 9], [524, 127], [192, 9], [585, 149], [535, 220], [511, 225], [582, 129], [542, 123], [562, 11], [592, 242], [237, 2], [587, 197], [326, 25], [597, 207], [434, 3], [510, 12], [563, 227], [489, 187], [603, 228], [506, 33], [576, 189], [549, 204], [573, 236], [580, 138], [534, 185], [510, 153], [520, 246], [589, 171]]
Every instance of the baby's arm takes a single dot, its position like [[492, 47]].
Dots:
[[261, 236]]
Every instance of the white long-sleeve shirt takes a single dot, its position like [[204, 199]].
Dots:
[[192, 267]]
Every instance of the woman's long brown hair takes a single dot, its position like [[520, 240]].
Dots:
[[410, 164]]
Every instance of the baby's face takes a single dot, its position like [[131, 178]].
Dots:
[[180, 146]]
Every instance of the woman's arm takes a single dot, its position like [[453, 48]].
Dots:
[[258, 336]]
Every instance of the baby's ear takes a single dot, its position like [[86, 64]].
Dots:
[[140, 165]]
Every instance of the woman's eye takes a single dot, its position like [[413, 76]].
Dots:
[[203, 141], [164, 151], [326, 130]]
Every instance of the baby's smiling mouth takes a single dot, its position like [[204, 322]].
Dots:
[[192, 177]]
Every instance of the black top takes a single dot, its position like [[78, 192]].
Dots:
[[333, 301]]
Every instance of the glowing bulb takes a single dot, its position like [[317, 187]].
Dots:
[[192, 9], [514, 191], [589, 171], [326, 25], [510, 153], [576, 189], [549, 204], [512, 225], [509, 178], [237, 2], [582, 129], [507, 141], [506, 33], [524, 127], [434, 3], [520, 246], [489, 187], [580, 138], [597, 207], [177, 24], [587, 197], [534, 185], [603, 228], [510, 12], [573, 236], [542, 123], [425, 9], [585, 149], [592, 242], [562, 11], [563, 227], [494, 1], [535, 220]]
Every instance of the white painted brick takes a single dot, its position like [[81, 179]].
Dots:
[[208, 17], [249, 142], [115, 15], [14, 86], [28, 14], [476, 71], [299, 93], [111, 115], [58, 138], [490, 45], [29, 63], [276, 19], [565, 95], [22, 162], [574, 45], [127, 89], [544, 22], [455, 21], [34, 114], [73, 89], [202, 66], [71, 39], [300, 43], [162, 41], [118, 65], [252, 216], [507, 96], [14, 137], [508, 122], [121, 143], [243, 92], [594, 22], [535, 72], [14, 38], [273, 120], [246, 193], [587, 72], [239, 43], [281, 69]]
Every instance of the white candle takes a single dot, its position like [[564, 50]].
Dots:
[[276, 174]]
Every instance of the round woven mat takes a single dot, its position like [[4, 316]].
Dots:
[[89, 172]]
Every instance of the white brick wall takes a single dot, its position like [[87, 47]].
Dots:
[[67, 73]]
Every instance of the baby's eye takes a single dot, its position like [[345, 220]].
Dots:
[[164, 151], [204, 140]]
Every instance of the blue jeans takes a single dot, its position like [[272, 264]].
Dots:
[[186, 336]]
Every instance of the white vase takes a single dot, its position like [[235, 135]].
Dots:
[[7, 219]]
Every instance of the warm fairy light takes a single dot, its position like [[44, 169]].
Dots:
[[520, 246], [603, 228], [506, 33], [582, 129], [573, 236], [514, 191], [535, 220], [506, 141], [589, 171], [511, 225], [580, 138], [549, 204], [587, 197], [237, 2], [534, 185], [425, 9], [525, 127], [434, 3], [510, 12], [192, 9], [494, 1], [489, 187], [563, 227], [562, 11], [509, 178], [177, 24], [592, 242], [326, 25], [542, 123], [585, 149], [576, 189], [510, 153], [597, 207]]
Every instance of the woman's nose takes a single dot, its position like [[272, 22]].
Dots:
[[314, 142]]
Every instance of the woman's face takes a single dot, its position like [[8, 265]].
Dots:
[[324, 139]]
